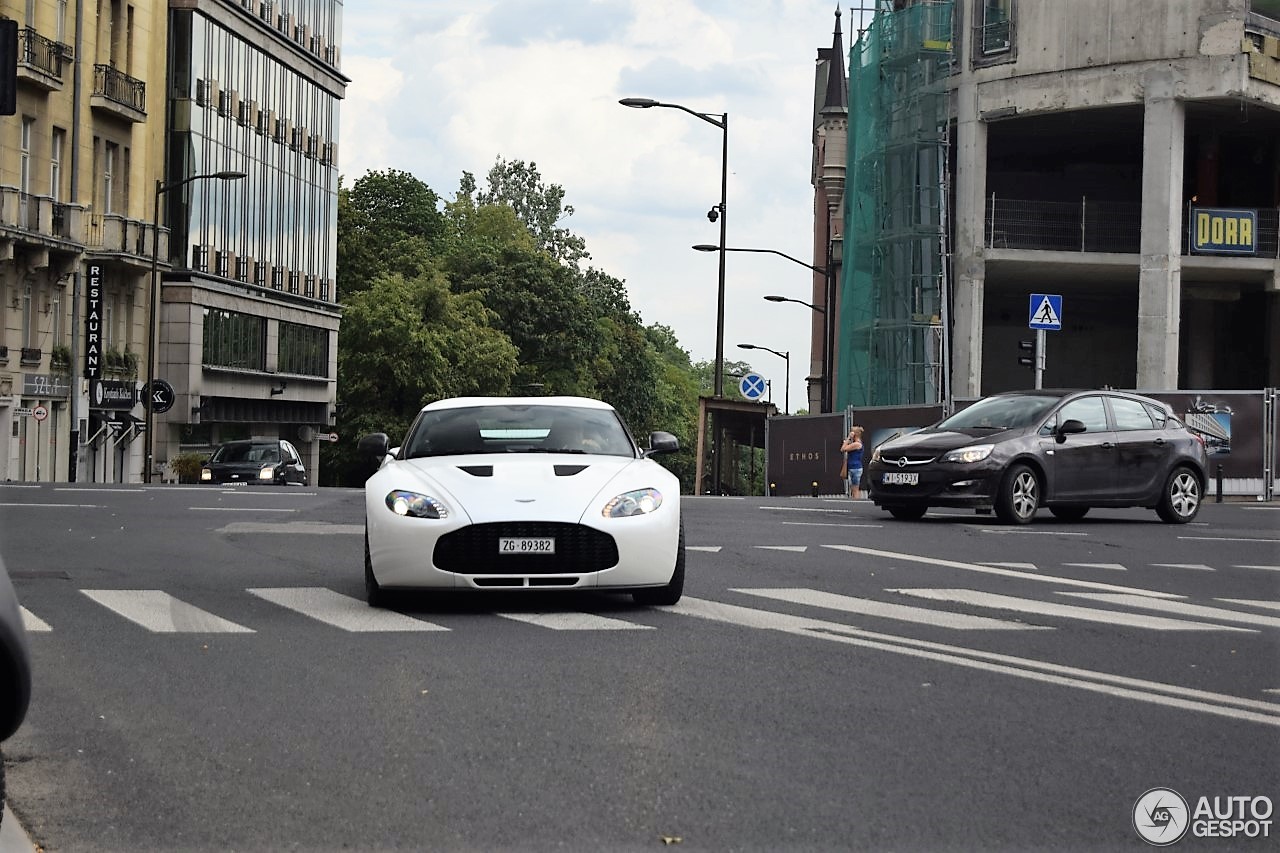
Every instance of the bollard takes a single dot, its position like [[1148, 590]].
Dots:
[[1219, 498], [814, 488], [773, 488]]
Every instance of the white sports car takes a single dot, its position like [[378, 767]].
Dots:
[[532, 493]]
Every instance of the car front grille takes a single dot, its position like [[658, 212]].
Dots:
[[894, 460], [473, 550]]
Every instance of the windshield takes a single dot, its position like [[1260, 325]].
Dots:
[[518, 429], [249, 453], [997, 413]]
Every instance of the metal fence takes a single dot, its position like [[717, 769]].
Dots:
[[1090, 226]]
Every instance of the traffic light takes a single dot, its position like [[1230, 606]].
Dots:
[[8, 67], [1028, 357]]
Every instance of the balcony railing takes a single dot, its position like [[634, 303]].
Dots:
[[110, 232], [115, 85], [1090, 226], [41, 53]]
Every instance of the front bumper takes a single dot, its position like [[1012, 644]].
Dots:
[[939, 484]]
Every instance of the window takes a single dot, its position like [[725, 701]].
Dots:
[[1159, 417], [55, 162], [232, 339], [1130, 414], [1088, 410], [28, 317], [303, 350], [995, 27], [109, 157], [62, 21], [24, 164]]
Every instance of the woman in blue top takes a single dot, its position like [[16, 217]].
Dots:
[[852, 448]]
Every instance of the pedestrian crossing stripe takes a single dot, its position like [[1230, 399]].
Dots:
[[160, 612]]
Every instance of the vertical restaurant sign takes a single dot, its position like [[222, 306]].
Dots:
[[93, 323], [1224, 231]]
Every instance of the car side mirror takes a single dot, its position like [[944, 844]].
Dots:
[[375, 445], [662, 442], [1068, 427]]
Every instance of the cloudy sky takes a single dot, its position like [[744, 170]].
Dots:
[[439, 87]]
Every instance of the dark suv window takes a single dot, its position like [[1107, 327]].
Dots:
[[1130, 414]]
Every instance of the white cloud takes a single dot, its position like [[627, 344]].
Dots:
[[446, 87]]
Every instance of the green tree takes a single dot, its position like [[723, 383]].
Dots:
[[540, 206], [404, 343], [387, 222]]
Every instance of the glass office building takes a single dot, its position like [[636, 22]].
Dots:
[[248, 317]]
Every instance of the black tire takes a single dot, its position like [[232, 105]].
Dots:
[[665, 596], [373, 593], [1069, 513], [907, 513], [1019, 496], [1181, 496]]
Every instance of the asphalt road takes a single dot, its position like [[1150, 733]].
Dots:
[[208, 678]]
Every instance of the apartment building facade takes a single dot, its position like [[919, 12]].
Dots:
[[186, 149]]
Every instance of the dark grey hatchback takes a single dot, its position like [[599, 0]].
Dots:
[[1067, 451]]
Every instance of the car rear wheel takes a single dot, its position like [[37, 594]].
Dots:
[[1019, 496], [1069, 513], [664, 596], [907, 513], [1180, 499], [373, 593]]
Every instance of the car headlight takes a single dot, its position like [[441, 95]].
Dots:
[[639, 502], [206, 474], [416, 505], [974, 453], [267, 474], [875, 455]]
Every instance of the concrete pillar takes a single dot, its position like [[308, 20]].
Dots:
[[968, 261], [1160, 275]]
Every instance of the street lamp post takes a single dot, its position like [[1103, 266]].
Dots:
[[828, 397], [817, 308], [720, 120], [149, 389], [785, 356]]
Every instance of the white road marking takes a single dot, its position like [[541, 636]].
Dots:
[[1008, 530], [32, 622], [900, 612], [1006, 573], [161, 613], [795, 549], [341, 611], [236, 509], [802, 509], [54, 506], [1269, 605], [1264, 568], [317, 528], [1115, 567], [1180, 608], [828, 524], [1152, 692], [574, 622], [1029, 566], [1067, 611], [1197, 566], [1229, 539], [710, 549]]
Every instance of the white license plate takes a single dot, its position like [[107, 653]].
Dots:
[[526, 545], [900, 478]]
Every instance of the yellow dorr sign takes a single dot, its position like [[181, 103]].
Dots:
[[1224, 231]]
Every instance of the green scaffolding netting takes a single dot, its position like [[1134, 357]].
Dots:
[[891, 301]]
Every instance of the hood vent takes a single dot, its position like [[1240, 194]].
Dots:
[[569, 470], [478, 470]]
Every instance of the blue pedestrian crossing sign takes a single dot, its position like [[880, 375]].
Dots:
[[752, 386], [1046, 311]]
